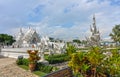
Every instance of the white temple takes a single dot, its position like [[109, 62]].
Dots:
[[94, 39], [27, 39], [31, 39]]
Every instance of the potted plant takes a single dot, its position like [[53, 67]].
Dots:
[[33, 58]]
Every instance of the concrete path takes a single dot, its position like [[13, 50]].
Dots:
[[8, 68]]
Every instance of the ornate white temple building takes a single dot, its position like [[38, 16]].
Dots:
[[27, 39], [94, 39], [31, 39]]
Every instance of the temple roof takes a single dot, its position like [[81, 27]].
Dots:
[[29, 34], [29, 37]]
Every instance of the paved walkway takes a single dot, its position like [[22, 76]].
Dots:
[[8, 68]]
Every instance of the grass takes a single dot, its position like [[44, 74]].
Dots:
[[24, 67], [39, 73]]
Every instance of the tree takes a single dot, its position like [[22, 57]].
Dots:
[[76, 41], [84, 42], [115, 35], [6, 39], [51, 39]]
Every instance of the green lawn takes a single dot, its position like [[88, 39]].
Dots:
[[39, 73], [24, 67]]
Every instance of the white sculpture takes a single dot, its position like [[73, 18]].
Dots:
[[42, 47]]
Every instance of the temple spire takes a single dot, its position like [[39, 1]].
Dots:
[[91, 28], [29, 27], [94, 24], [94, 39], [21, 31]]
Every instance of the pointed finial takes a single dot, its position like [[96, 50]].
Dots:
[[94, 24], [94, 21], [29, 27], [93, 16], [20, 30], [35, 29]]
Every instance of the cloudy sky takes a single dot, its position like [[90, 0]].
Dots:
[[65, 19]]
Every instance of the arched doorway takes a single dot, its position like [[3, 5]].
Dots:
[[34, 41]]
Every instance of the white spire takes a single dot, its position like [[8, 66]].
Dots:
[[21, 30], [94, 39], [29, 27], [91, 29]]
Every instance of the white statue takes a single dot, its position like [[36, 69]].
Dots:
[[42, 47]]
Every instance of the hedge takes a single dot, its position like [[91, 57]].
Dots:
[[53, 59]]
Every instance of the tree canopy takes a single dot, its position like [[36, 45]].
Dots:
[[76, 41], [115, 35], [6, 39]]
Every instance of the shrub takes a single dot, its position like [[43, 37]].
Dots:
[[25, 62], [57, 58], [19, 62], [44, 68], [57, 55], [70, 49], [94, 63], [22, 61]]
